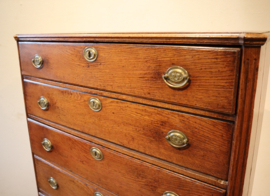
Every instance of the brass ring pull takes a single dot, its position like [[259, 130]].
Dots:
[[43, 103], [98, 194], [53, 183], [90, 54], [47, 145], [176, 77], [95, 104], [177, 139], [169, 193], [37, 61], [96, 153]]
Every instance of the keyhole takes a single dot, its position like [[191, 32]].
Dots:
[[96, 154], [89, 55], [94, 105]]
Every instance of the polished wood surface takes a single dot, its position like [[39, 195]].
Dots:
[[137, 70], [138, 109], [68, 183], [117, 173], [234, 38], [241, 138], [138, 127], [159, 104], [149, 159]]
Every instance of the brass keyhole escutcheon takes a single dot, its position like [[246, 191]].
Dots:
[[177, 139], [96, 153], [53, 183], [98, 194], [90, 54], [95, 104], [169, 193], [43, 103], [176, 77], [37, 61], [47, 145]]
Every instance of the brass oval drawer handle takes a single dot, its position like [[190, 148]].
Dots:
[[53, 183], [37, 61], [47, 145], [98, 194], [176, 77], [169, 193], [95, 104], [177, 139], [43, 103], [90, 54], [96, 153]]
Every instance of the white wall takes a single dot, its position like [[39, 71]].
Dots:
[[39, 16]]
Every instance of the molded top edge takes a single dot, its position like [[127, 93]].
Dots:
[[214, 38]]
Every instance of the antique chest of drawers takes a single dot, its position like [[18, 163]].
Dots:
[[166, 114]]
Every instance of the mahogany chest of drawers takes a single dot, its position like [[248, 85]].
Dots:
[[165, 114]]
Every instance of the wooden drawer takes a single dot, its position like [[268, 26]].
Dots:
[[139, 108], [67, 182], [137, 70], [116, 172], [138, 127]]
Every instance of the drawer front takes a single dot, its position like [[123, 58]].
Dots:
[[67, 183], [138, 127], [129, 176], [138, 69]]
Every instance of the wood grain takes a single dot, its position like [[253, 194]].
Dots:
[[149, 159], [136, 99], [216, 38], [117, 173], [213, 92], [241, 138], [138, 127], [137, 70], [68, 183]]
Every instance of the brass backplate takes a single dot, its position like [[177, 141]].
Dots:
[[177, 139], [53, 183], [37, 61], [176, 77], [169, 193], [96, 153], [43, 103], [47, 145], [95, 104], [90, 54], [98, 194]]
